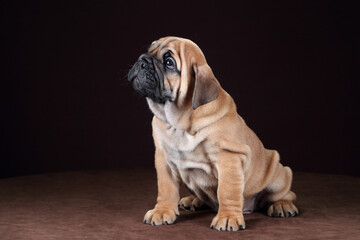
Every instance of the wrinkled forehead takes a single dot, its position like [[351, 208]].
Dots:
[[181, 47], [159, 47]]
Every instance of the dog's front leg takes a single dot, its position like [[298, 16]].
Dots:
[[230, 193], [166, 208]]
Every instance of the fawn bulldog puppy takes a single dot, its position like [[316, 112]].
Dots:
[[201, 140]]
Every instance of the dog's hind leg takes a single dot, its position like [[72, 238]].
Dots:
[[277, 194]]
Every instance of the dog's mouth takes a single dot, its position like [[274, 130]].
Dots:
[[147, 79]]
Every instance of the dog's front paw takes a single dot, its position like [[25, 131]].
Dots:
[[161, 216], [283, 208], [229, 222]]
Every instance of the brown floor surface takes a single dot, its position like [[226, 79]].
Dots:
[[111, 205]]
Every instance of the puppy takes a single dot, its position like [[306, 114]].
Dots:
[[201, 140]]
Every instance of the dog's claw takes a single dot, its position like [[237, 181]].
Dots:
[[282, 208], [242, 227], [185, 207]]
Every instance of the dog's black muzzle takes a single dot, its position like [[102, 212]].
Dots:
[[147, 78]]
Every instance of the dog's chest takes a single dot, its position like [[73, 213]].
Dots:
[[187, 152], [190, 156]]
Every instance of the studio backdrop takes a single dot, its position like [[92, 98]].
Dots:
[[66, 103]]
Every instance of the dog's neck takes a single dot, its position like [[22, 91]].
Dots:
[[171, 114], [182, 118]]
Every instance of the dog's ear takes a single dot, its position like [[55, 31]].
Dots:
[[206, 86]]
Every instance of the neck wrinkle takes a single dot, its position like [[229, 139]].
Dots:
[[204, 115], [192, 121]]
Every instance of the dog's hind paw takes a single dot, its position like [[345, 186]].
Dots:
[[283, 208], [192, 203]]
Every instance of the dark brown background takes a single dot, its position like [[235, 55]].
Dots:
[[66, 105]]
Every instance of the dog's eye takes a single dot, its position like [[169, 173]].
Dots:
[[170, 63]]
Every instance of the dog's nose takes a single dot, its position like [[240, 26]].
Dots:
[[143, 64], [144, 61]]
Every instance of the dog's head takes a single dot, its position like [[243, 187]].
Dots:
[[174, 70]]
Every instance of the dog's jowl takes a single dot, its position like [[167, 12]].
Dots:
[[201, 140]]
